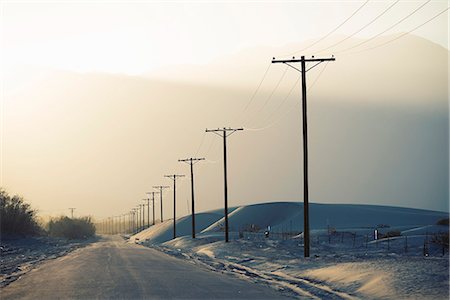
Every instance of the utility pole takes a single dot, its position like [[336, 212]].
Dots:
[[71, 210], [174, 178], [143, 215], [191, 161], [224, 133], [148, 210], [303, 71], [139, 214], [133, 211], [161, 187], [153, 204]]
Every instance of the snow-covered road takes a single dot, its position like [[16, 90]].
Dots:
[[112, 268]]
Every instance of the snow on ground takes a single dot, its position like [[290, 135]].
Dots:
[[19, 256], [345, 264], [163, 232]]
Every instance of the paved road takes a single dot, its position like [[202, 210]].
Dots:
[[112, 268]]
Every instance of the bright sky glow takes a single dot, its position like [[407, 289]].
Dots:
[[137, 37]]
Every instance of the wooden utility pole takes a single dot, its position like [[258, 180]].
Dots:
[[153, 204], [191, 162], [71, 210], [224, 133], [161, 187], [174, 178], [148, 210], [303, 71]]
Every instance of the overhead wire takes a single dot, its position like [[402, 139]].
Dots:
[[403, 34], [332, 31], [387, 29], [258, 87], [362, 28], [201, 143], [269, 97], [281, 117]]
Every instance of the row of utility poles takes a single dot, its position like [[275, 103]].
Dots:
[[226, 132], [136, 220]]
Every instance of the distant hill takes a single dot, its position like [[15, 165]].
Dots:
[[289, 216]]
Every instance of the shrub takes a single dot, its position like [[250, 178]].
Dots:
[[441, 239], [250, 228], [443, 222], [16, 216], [77, 228], [389, 234]]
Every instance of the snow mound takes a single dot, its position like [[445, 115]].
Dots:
[[288, 216], [163, 232]]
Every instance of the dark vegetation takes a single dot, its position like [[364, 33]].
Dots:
[[443, 222], [441, 239], [389, 234], [16, 216], [76, 228]]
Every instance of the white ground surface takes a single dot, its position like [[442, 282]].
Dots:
[[340, 266], [114, 269]]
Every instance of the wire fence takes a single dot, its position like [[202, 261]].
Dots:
[[429, 244]]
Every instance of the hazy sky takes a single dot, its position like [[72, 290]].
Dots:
[[135, 37], [100, 98]]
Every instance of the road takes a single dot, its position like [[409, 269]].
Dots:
[[112, 268]]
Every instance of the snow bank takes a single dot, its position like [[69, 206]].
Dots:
[[162, 232], [347, 264]]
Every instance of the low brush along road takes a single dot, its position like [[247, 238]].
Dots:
[[112, 268]]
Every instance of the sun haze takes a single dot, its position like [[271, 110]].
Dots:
[[100, 100]]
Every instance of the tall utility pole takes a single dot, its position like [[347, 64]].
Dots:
[[303, 71], [174, 178], [71, 210], [191, 161], [224, 133], [161, 187]]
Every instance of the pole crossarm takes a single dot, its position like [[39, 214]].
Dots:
[[173, 177], [190, 160], [224, 131], [295, 60], [160, 187]]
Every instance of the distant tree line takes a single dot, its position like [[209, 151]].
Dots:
[[17, 218]]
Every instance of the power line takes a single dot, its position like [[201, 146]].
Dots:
[[258, 87], [282, 116], [201, 143], [387, 29], [362, 28], [332, 31], [405, 33]]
